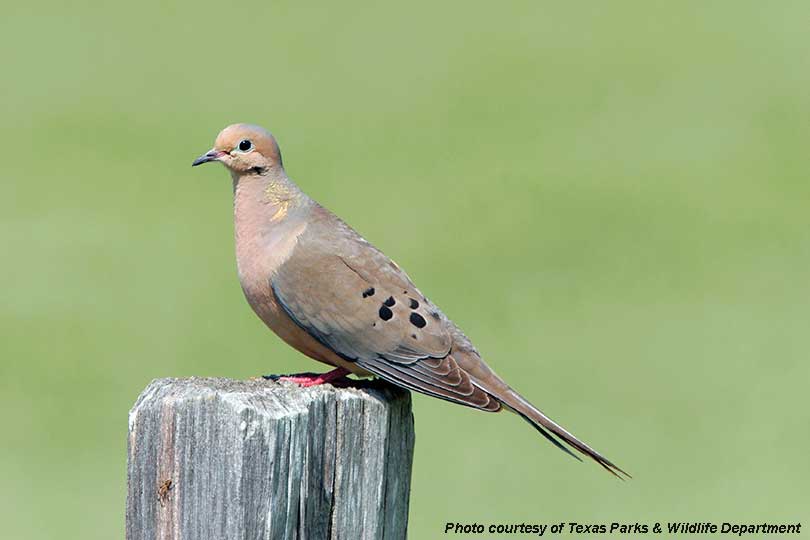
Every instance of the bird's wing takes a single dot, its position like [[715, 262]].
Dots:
[[353, 299]]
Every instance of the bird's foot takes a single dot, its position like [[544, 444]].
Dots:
[[337, 377]]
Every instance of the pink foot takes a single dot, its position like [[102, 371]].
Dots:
[[312, 379]]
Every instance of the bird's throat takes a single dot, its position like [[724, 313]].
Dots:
[[271, 196], [268, 218]]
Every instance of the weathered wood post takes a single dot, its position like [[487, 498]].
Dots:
[[216, 459]]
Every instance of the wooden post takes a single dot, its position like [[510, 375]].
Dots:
[[222, 459]]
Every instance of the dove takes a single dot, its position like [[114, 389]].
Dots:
[[333, 296]]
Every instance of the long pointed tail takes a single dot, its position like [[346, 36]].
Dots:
[[544, 425]]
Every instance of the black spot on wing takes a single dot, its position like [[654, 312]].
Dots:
[[414, 304], [386, 313], [368, 292], [417, 320], [390, 301]]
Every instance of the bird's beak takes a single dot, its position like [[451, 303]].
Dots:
[[211, 155]]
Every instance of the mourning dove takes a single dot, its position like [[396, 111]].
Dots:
[[329, 293]]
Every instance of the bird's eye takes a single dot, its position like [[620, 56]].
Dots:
[[245, 145]]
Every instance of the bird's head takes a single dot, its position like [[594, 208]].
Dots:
[[244, 149]]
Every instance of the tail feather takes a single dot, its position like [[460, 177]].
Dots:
[[548, 436], [544, 425]]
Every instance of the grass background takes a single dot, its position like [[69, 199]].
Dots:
[[611, 199]]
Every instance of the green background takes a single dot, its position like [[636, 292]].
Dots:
[[610, 198]]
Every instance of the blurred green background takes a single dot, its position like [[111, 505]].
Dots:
[[611, 199]]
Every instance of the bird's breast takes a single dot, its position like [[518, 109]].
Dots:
[[258, 264], [260, 252]]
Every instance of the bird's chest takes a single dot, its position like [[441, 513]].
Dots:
[[260, 252], [258, 264]]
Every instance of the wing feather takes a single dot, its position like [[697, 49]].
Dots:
[[367, 310]]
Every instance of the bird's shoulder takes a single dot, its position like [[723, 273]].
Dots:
[[329, 239]]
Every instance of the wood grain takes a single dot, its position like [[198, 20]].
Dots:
[[223, 459]]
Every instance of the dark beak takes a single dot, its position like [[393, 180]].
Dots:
[[212, 155]]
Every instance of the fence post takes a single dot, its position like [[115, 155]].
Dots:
[[223, 459]]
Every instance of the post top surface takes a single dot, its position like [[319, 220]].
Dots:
[[259, 393]]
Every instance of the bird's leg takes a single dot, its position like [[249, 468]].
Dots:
[[313, 379]]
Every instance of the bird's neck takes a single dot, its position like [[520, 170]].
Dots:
[[269, 214], [270, 196]]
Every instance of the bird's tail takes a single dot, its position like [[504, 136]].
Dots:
[[552, 431]]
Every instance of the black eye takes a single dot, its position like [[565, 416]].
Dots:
[[245, 145]]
